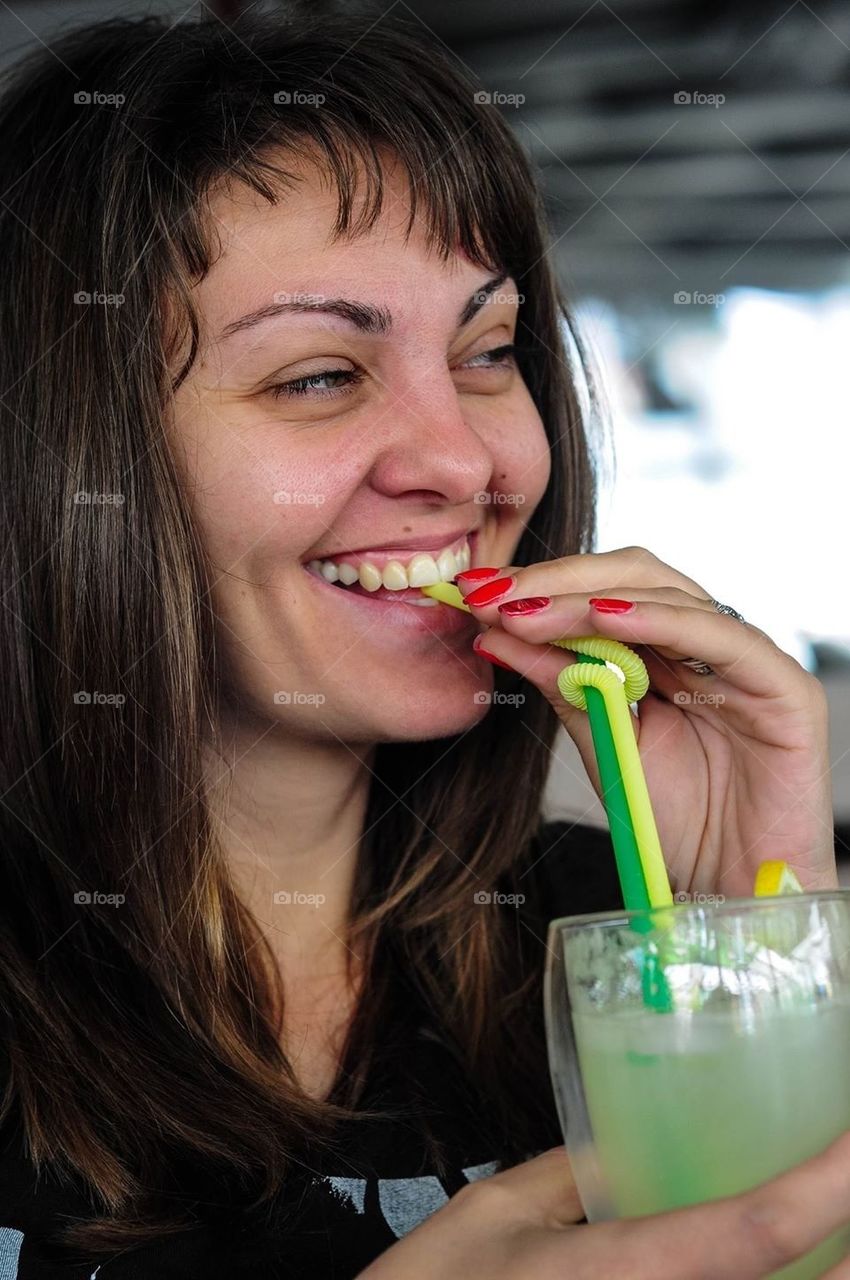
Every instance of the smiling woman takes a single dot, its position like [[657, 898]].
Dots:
[[336, 372]]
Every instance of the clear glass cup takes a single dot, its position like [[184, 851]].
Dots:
[[738, 1070]]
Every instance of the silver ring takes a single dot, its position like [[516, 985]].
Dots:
[[727, 608], [696, 665]]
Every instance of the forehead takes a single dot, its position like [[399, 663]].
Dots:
[[290, 246]]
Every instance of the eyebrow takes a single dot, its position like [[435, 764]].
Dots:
[[362, 315]]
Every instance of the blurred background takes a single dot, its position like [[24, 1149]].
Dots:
[[695, 159]]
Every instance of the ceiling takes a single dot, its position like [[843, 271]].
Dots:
[[747, 183]]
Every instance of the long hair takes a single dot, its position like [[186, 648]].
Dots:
[[140, 1037]]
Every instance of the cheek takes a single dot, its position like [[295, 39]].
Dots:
[[521, 459]]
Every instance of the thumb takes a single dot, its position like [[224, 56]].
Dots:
[[545, 1189], [541, 664]]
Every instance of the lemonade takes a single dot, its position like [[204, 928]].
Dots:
[[689, 1107]]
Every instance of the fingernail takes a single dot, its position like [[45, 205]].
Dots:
[[528, 604], [491, 591], [470, 576], [612, 606], [491, 657]]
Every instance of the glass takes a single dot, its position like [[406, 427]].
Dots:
[[742, 1073]]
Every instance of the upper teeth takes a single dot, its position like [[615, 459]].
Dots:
[[422, 570]]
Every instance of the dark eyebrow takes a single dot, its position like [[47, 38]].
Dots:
[[362, 315]]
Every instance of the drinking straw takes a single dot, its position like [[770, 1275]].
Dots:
[[592, 687]]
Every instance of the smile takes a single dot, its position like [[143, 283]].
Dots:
[[376, 571]]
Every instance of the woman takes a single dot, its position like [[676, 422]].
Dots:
[[274, 884]]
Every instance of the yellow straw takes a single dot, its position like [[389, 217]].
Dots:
[[616, 696]]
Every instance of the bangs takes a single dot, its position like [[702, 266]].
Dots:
[[272, 93]]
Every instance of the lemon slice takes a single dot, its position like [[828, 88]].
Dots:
[[776, 877]]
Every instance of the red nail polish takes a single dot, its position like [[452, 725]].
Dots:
[[491, 657], [528, 604], [491, 591], [612, 606], [476, 575]]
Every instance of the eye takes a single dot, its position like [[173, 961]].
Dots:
[[503, 355], [342, 381]]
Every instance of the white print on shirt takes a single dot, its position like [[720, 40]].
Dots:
[[10, 1251], [405, 1202]]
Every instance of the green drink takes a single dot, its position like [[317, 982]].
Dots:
[[744, 1075]]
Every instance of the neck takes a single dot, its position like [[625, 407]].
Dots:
[[290, 815]]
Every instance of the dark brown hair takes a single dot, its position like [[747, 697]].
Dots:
[[143, 1039]]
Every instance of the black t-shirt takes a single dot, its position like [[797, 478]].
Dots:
[[383, 1187]]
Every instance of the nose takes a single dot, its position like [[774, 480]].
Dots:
[[428, 445]]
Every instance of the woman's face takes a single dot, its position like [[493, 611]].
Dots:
[[357, 419]]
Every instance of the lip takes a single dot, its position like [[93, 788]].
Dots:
[[428, 542], [441, 620]]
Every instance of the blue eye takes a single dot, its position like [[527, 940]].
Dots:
[[343, 381], [303, 386], [497, 355]]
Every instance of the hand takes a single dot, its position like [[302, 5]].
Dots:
[[734, 779], [521, 1223]]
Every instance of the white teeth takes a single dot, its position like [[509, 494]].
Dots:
[[422, 571], [348, 574], [447, 564], [394, 576], [370, 578]]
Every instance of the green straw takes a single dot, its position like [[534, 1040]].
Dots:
[[631, 864], [629, 869]]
